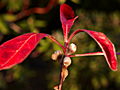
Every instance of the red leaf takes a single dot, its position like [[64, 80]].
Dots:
[[17, 49], [105, 44], [67, 18]]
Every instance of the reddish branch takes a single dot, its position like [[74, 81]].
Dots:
[[2, 5], [37, 10], [15, 28], [26, 4]]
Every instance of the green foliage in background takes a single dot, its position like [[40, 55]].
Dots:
[[38, 71]]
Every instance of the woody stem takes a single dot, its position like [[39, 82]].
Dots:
[[63, 73], [60, 76]]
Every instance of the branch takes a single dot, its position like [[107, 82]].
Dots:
[[26, 4], [2, 5], [54, 40], [87, 54], [15, 27], [37, 10]]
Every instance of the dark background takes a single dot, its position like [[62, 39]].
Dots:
[[38, 71]]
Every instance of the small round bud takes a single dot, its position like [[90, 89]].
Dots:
[[56, 87], [56, 54], [72, 48], [67, 61]]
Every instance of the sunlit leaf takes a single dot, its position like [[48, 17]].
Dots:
[[105, 44], [67, 18], [16, 50]]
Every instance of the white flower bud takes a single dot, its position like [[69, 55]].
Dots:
[[67, 61], [72, 48], [56, 54]]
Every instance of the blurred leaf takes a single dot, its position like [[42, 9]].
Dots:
[[44, 45], [3, 27], [61, 1], [21, 73], [9, 17], [95, 83], [2, 81], [40, 23], [14, 5], [76, 1]]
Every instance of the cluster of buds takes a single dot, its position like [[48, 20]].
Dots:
[[57, 55], [64, 60]]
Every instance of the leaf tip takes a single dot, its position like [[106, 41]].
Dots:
[[114, 66]]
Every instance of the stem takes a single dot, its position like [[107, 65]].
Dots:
[[73, 34], [63, 74], [60, 76], [66, 47], [87, 54], [54, 40], [37, 10]]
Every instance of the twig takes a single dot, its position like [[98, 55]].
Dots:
[[26, 4], [37, 10], [63, 72]]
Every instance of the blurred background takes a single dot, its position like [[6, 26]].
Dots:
[[38, 71]]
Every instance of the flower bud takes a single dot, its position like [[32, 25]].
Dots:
[[72, 48], [56, 54], [67, 61]]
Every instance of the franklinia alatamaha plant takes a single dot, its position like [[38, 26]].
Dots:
[[17, 49]]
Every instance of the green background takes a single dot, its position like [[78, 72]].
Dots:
[[39, 71]]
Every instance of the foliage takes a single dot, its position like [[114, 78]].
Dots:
[[85, 72]]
